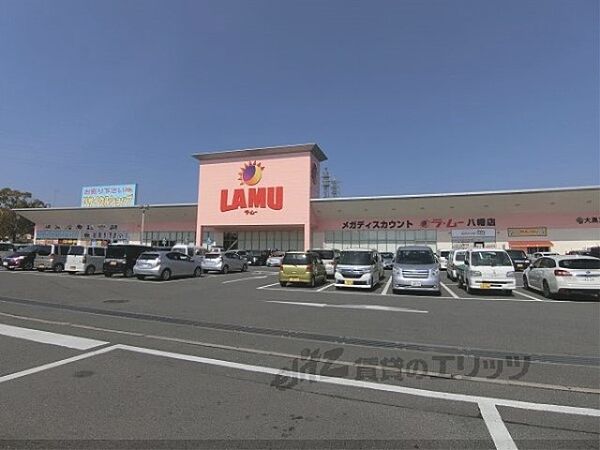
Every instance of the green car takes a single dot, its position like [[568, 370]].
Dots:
[[302, 267]]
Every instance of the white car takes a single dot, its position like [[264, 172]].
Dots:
[[455, 259], [275, 259], [563, 275], [83, 259], [443, 259], [538, 255], [487, 269]]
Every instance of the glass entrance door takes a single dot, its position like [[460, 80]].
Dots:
[[230, 241]]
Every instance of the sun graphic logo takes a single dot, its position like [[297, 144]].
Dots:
[[251, 173]]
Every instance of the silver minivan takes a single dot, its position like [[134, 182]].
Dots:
[[54, 258], [360, 268], [87, 260], [416, 269]]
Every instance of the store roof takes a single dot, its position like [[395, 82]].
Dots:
[[251, 153]]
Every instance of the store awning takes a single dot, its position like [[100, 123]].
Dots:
[[525, 244]]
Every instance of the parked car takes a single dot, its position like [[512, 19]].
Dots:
[[387, 259], [330, 259], [187, 249], [24, 257], [166, 265], [538, 255], [302, 267], [120, 258], [487, 269], [274, 260], [53, 259], [360, 268], [443, 259], [564, 275], [243, 254], [519, 259], [6, 248], [84, 259], [224, 262], [455, 259], [257, 257], [416, 268]]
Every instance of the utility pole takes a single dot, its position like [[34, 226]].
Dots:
[[144, 209], [326, 183]]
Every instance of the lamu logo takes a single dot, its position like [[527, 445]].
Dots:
[[251, 174]]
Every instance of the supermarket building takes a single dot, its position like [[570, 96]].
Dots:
[[269, 198]]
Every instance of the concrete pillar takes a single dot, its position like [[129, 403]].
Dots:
[[307, 237]]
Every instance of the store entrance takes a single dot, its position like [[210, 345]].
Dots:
[[230, 241]]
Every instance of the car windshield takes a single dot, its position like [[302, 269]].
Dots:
[[585, 264], [277, 255], [5, 247], [516, 254], [76, 250], [356, 258], [116, 252], [387, 255], [212, 256], [414, 257], [459, 257], [44, 250], [295, 259], [324, 254], [490, 259], [28, 249], [445, 253], [148, 256]]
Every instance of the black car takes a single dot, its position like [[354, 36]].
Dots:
[[120, 258], [519, 259], [24, 257], [257, 257]]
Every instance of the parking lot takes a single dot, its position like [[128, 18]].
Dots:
[[237, 360]]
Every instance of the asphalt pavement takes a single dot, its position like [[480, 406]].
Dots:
[[237, 361]]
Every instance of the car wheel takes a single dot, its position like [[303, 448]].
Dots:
[[165, 275], [40, 270], [140, 277], [59, 268], [108, 275], [546, 290], [128, 273], [525, 283], [28, 266], [198, 272], [283, 283], [245, 268], [225, 269], [468, 288], [90, 270]]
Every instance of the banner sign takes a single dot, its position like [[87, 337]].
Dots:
[[108, 196], [526, 232], [474, 235]]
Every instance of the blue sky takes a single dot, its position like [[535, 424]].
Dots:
[[403, 96]]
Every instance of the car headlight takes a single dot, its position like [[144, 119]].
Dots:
[[510, 274], [19, 258], [474, 273]]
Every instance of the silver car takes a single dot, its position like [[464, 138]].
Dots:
[[166, 265], [224, 262], [416, 269], [330, 259]]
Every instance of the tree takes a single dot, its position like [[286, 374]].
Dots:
[[13, 226]]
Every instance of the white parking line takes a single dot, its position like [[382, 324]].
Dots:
[[367, 307], [528, 296], [52, 365], [387, 286], [268, 286], [262, 277], [328, 285], [45, 337], [500, 435], [447, 289]]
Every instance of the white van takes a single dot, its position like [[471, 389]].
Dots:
[[83, 259], [487, 269]]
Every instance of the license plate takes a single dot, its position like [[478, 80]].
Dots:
[[294, 280], [415, 283], [113, 263], [73, 268], [485, 285], [41, 266], [348, 282]]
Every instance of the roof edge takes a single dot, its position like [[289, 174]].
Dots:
[[261, 151], [81, 208], [458, 194]]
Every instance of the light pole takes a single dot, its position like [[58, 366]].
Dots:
[[144, 209]]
